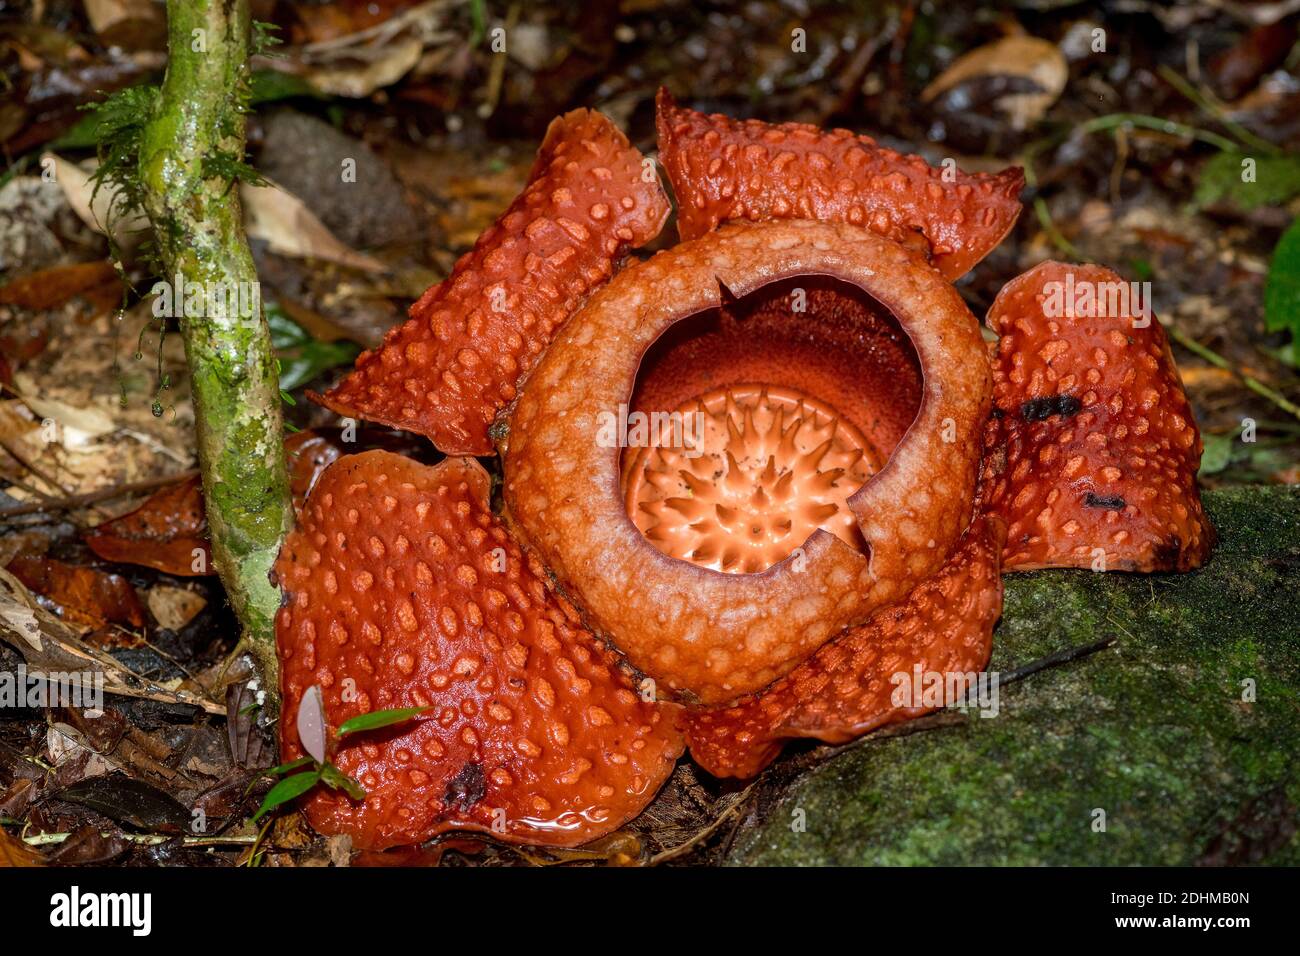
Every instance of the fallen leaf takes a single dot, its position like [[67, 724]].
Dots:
[[15, 801], [50, 288], [173, 608], [66, 745], [129, 801], [168, 532], [84, 596], [130, 24], [1026, 57], [309, 454], [16, 853], [360, 78], [56, 648], [97, 209], [88, 845], [289, 228], [78, 425], [247, 745], [270, 213], [20, 618], [338, 20]]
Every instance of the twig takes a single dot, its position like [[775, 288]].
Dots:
[[1214, 108], [851, 85], [1159, 125], [951, 716], [146, 839], [31, 466], [72, 502], [496, 77], [1252, 383], [253, 855], [1053, 233], [1054, 660], [681, 849]]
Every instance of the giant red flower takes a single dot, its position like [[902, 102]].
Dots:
[[746, 483]]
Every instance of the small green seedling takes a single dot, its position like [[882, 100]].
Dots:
[[317, 767]]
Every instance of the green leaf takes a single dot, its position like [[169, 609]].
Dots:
[[1276, 180], [1218, 453], [313, 359], [291, 765], [478, 19], [290, 788], [285, 332], [1141, 269], [270, 86], [378, 718], [83, 135], [1282, 292], [302, 358], [336, 779]]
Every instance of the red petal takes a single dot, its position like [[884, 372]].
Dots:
[[1092, 449], [846, 689], [458, 360], [722, 169], [402, 590]]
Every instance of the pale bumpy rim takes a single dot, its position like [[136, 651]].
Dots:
[[706, 635]]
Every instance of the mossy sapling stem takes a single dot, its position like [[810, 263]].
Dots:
[[191, 153]]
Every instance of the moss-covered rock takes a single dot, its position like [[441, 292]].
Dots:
[[1153, 730]]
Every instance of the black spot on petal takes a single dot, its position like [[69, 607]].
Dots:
[[1037, 409], [1114, 502], [466, 788]]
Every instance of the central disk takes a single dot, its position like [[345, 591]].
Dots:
[[745, 475]]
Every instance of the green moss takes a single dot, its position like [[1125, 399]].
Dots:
[[1152, 730]]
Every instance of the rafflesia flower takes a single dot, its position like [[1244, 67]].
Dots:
[[745, 483]]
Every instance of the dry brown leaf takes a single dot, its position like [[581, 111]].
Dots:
[[173, 607], [360, 79], [133, 24], [50, 288], [15, 853], [96, 209], [270, 213], [86, 598], [17, 613], [77, 426], [291, 229], [1030, 58], [54, 648]]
